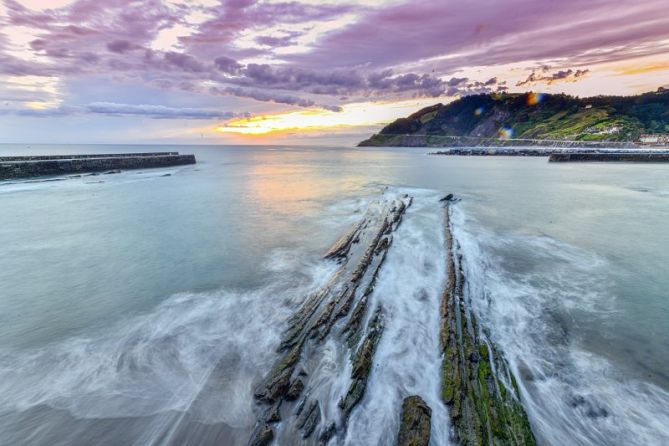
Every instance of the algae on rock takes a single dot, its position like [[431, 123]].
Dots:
[[483, 409], [415, 422], [338, 310]]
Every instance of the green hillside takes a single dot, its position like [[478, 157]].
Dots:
[[536, 116]]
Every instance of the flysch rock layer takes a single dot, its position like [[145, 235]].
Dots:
[[339, 311], [481, 394], [415, 422]]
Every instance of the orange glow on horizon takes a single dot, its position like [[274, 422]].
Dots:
[[662, 66], [353, 115]]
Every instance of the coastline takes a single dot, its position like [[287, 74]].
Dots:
[[408, 140]]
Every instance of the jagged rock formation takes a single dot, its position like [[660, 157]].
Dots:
[[481, 393], [415, 423], [338, 311], [341, 325]]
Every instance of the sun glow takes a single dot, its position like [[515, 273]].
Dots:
[[359, 114]]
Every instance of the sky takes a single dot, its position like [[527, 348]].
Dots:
[[304, 71]]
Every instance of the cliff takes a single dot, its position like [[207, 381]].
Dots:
[[532, 118]]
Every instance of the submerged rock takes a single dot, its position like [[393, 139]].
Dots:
[[295, 389], [263, 436], [362, 365], [415, 422], [310, 419]]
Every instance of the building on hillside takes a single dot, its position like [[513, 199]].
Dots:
[[658, 139]]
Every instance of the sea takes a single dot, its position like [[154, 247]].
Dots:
[[143, 307]]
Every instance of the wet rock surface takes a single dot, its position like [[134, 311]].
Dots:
[[480, 391], [339, 311], [415, 422], [262, 437], [339, 327]]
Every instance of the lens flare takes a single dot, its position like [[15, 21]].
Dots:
[[505, 133], [534, 98], [479, 111]]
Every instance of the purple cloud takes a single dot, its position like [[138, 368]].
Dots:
[[559, 76], [155, 111], [184, 62], [227, 65], [483, 32], [120, 46], [407, 50], [276, 98], [114, 109]]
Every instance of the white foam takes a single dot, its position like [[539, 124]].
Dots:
[[407, 361], [195, 352], [572, 396]]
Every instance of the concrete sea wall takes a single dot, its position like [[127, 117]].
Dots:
[[33, 166], [662, 157]]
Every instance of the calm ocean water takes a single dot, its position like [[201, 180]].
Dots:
[[140, 308]]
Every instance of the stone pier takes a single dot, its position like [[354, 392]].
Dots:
[[640, 157], [34, 166]]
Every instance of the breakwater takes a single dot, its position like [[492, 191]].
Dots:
[[641, 157], [43, 165], [471, 151]]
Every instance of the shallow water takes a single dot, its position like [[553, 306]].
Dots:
[[140, 308]]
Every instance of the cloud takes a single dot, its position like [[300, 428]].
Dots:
[[120, 46], [310, 54], [276, 98], [450, 36], [115, 109], [344, 82], [272, 41], [227, 65], [559, 76], [184, 62]]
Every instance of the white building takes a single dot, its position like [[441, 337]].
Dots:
[[656, 138]]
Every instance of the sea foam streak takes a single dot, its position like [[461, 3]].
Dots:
[[572, 396], [185, 373], [196, 353], [408, 360]]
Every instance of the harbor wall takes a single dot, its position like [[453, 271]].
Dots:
[[22, 167], [626, 156]]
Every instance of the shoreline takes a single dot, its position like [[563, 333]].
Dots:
[[408, 140]]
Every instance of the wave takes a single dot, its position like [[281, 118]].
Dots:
[[85, 179], [195, 353], [186, 372], [526, 291], [408, 358]]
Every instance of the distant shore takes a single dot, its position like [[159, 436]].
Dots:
[[385, 140]]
